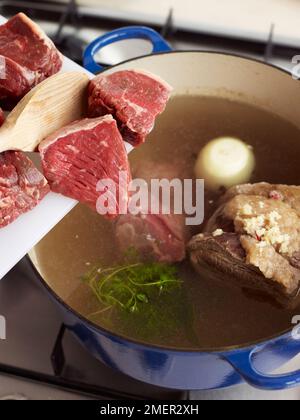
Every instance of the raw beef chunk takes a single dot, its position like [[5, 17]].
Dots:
[[255, 237], [160, 237], [134, 98], [78, 157], [22, 186], [27, 57], [152, 236]]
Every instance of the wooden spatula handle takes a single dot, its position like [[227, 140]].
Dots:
[[52, 104]]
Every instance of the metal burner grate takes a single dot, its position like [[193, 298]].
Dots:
[[79, 17]]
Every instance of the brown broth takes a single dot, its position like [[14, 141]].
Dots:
[[208, 313]]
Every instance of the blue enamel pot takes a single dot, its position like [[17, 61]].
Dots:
[[197, 73]]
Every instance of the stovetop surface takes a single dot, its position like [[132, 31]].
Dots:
[[72, 29], [33, 323]]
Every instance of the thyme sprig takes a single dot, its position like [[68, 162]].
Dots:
[[131, 286]]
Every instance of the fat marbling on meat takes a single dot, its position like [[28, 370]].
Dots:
[[27, 57], [22, 186], [79, 156], [134, 97]]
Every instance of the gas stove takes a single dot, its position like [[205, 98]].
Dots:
[[73, 25], [40, 359]]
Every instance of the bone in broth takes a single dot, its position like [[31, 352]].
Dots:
[[202, 313]]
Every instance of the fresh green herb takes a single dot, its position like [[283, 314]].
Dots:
[[132, 286], [145, 301]]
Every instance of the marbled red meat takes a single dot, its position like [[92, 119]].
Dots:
[[27, 57], [161, 237], [22, 186], [135, 98], [77, 157], [152, 237]]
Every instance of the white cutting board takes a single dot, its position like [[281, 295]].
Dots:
[[17, 239]]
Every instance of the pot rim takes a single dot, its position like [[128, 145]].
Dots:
[[212, 52], [154, 347]]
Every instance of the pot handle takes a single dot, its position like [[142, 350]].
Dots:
[[129, 32], [243, 364]]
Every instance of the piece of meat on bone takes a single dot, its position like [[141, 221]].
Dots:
[[135, 98], [264, 220], [161, 237], [289, 194], [22, 186], [242, 261], [27, 57], [79, 157]]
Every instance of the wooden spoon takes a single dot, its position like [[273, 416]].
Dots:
[[52, 104]]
